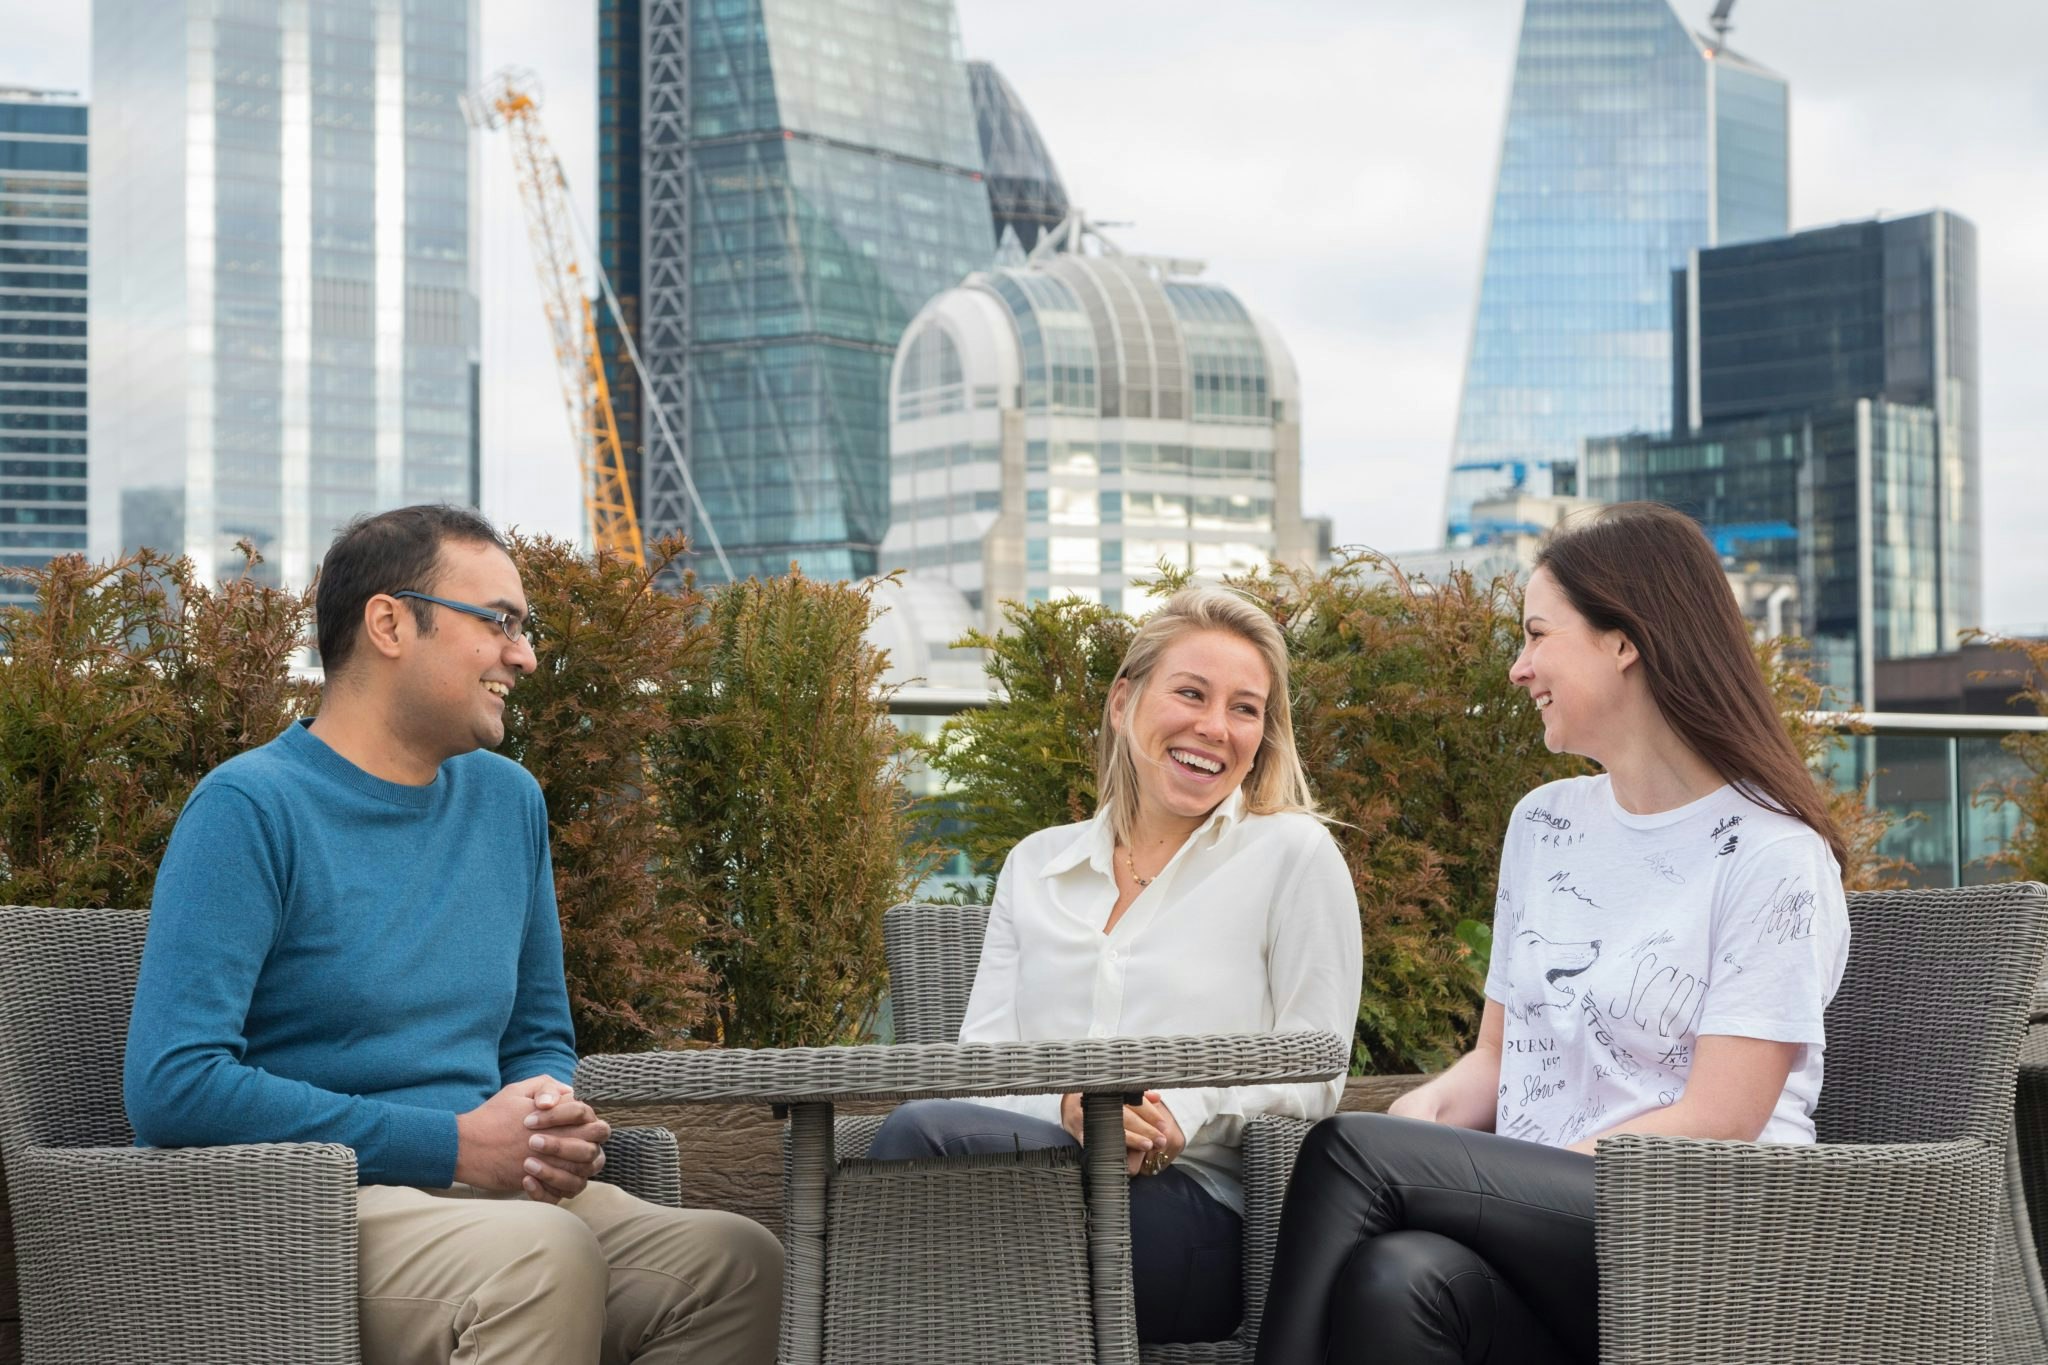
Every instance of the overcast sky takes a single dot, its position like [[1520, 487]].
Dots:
[[1333, 161]]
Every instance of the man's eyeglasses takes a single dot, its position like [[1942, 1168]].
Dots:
[[512, 623]]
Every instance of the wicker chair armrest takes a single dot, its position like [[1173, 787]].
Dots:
[[644, 1162], [950, 1070], [1768, 1253], [2037, 1012], [196, 1254]]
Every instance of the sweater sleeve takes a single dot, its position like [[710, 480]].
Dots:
[[539, 1038], [217, 912], [1315, 964]]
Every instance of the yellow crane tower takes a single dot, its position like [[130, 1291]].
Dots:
[[511, 100]]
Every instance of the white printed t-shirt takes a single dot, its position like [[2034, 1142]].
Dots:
[[1619, 939]]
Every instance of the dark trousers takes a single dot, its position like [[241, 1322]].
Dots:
[[1420, 1244], [1187, 1249]]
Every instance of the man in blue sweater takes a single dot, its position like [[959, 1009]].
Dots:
[[354, 940]]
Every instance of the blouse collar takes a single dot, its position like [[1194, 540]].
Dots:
[[1097, 844]]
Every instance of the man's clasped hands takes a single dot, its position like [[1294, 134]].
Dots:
[[533, 1135]]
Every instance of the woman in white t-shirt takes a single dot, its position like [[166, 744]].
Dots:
[[1203, 897], [1666, 939]]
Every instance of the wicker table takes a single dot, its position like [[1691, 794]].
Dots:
[[1107, 1072]]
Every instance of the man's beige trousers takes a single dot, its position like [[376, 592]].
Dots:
[[473, 1278]]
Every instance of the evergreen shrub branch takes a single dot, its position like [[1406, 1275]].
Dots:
[[781, 780], [120, 688], [611, 651]]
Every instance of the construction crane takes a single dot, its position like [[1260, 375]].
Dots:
[[510, 100], [1722, 21]]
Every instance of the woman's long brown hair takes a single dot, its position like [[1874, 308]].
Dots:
[[1647, 571]]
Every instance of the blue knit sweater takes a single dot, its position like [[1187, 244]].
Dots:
[[337, 958]]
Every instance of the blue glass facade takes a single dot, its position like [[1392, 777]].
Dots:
[[1826, 395], [1629, 143], [43, 254], [812, 177], [284, 303], [1752, 170], [1845, 497]]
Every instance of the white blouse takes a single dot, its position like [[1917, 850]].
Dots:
[[1251, 928]]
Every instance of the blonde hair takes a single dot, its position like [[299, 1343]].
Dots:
[[1276, 781]]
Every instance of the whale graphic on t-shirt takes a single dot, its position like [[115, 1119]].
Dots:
[[1556, 962]]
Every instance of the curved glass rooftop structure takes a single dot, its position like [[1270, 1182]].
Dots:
[[1024, 190], [1062, 427]]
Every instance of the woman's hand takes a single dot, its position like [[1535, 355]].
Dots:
[[1070, 1117], [1152, 1136]]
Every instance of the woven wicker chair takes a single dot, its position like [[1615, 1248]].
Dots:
[[933, 953], [977, 1259], [140, 1256], [1892, 1239], [2023, 1336]]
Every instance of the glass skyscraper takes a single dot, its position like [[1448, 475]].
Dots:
[[43, 252], [284, 295], [1630, 142], [1024, 190], [810, 176], [1826, 389]]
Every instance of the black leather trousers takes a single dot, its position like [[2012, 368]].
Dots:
[[1419, 1244]]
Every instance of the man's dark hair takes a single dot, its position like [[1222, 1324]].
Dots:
[[395, 551]]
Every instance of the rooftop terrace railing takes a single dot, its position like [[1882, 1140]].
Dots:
[[1937, 776]]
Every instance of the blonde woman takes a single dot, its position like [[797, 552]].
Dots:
[[1203, 897]]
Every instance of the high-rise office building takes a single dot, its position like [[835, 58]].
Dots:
[[284, 298], [1025, 196], [1630, 141], [1059, 428], [43, 251], [1826, 389], [810, 177]]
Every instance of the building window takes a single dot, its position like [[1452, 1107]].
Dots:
[[931, 380]]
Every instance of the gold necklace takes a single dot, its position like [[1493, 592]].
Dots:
[[1132, 864]]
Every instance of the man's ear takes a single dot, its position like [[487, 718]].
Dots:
[[383, 629]]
